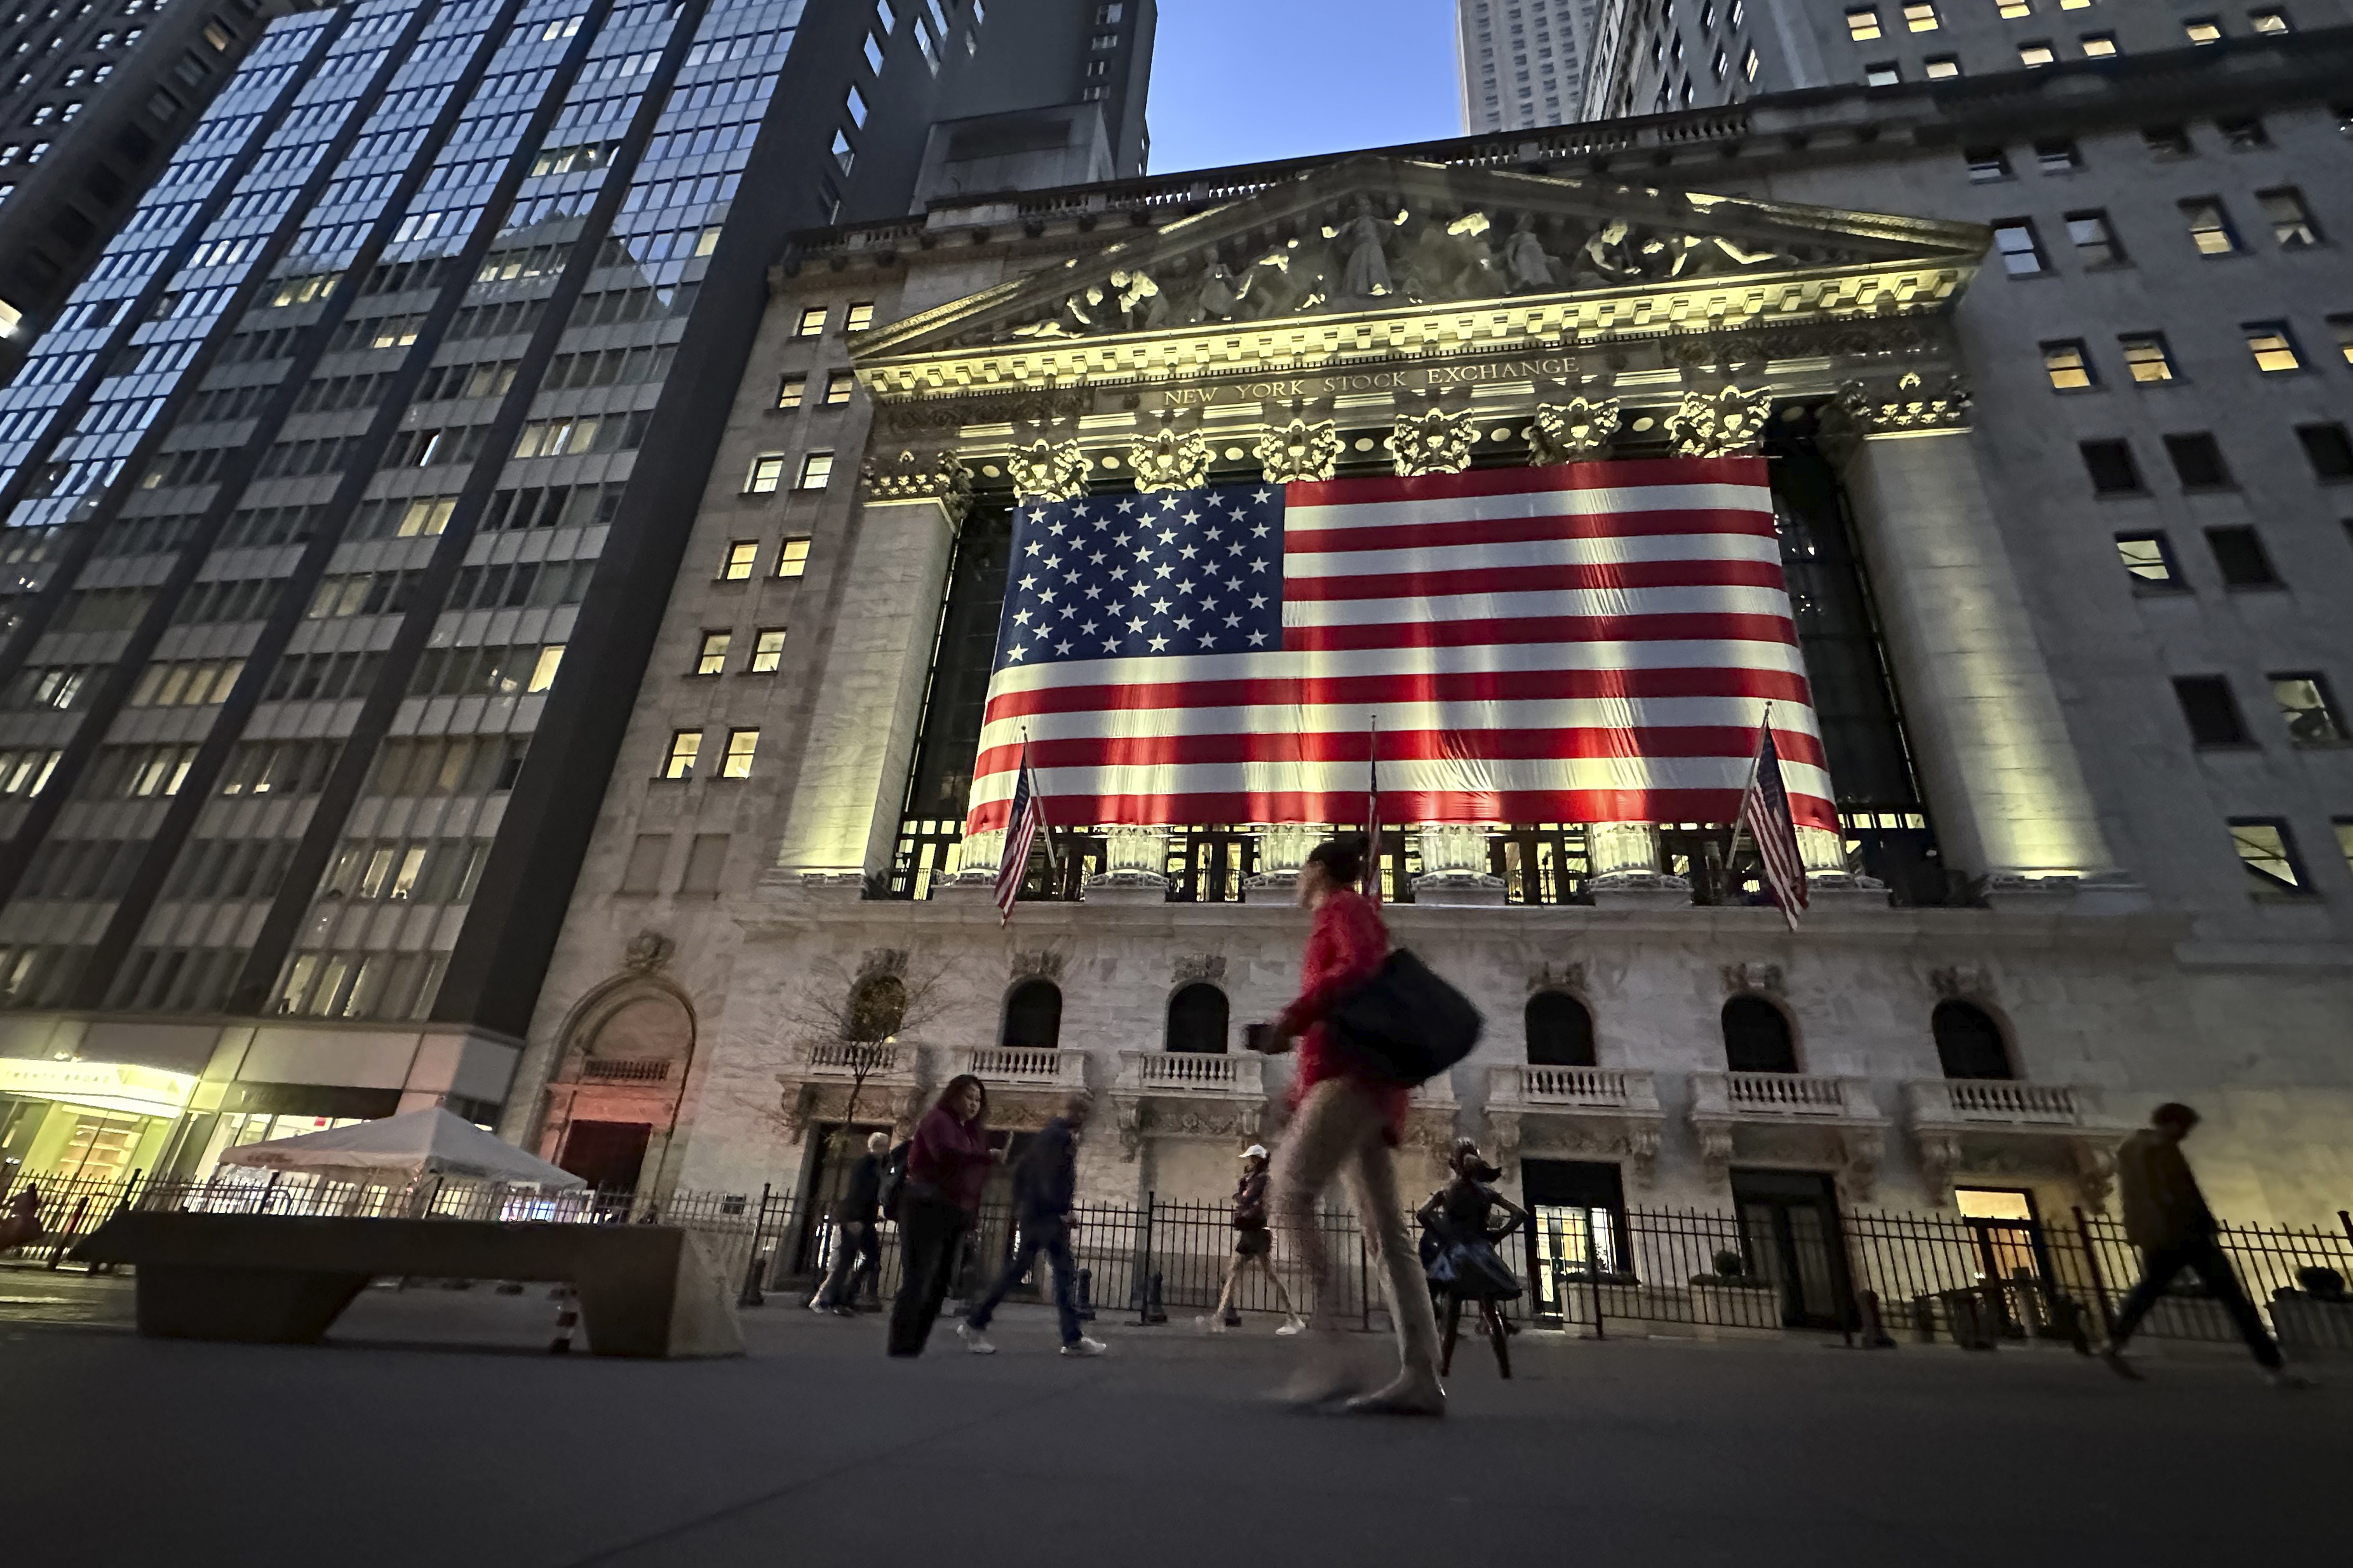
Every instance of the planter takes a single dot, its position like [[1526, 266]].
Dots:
[[2313, 1327], [1744, 1307]]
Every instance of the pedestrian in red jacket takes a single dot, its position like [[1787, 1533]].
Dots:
[[947, 1167], [1345, 1121]]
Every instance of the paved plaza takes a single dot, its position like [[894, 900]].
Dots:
[[435, 1430]]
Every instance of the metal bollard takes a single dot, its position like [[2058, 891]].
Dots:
[[567, 1318], [1155, 1309], [1086, 1293], [1875, 1336]]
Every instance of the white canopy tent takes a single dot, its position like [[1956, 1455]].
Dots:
[[402, 1150]]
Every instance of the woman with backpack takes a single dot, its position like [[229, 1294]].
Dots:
[[947, 1165], [1253, 1243]]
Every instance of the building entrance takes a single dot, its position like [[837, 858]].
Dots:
[[1790, 1237], [1577, 1234]]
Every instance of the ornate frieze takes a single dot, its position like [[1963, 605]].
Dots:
[[938, 476], [1914, 404], [1043, 471], [1300, 451], [1577, 431], [1720, 424], [1433, 442]]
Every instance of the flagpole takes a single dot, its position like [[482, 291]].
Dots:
[[1053, 860], [1764, 727]]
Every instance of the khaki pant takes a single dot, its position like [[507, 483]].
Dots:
[[1338, 1132]]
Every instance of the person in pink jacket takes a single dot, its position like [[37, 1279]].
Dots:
[[947, 1167]]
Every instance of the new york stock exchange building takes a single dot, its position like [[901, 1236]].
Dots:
[[1559, 457]]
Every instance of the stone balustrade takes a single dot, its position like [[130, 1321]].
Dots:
[[1999, 1103], [1020, 1067], [891, 1061], [1526, 1086], [1783, 1097]]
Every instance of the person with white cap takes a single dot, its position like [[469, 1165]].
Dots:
[[1253, 1243]]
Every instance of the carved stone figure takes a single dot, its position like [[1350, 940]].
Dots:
[[648, 953], [1137, 299], [1433, 442], [1044, 471], [1914, 405], [1608, 251], [1220, 295], [1722, 423], [1527, 270], [1169, 460], [940, 477], [1577, 431], [1300, 451], [1365, 238]]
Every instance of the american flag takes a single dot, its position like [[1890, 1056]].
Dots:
[[1373, 812], [1027, 817], [1764, 817], [1591, 642]]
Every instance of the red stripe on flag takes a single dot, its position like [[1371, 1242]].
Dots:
[[1346, 804], [1724, 627], [1366, 691], [1396, 746], [1623, 474], [1536, 579]]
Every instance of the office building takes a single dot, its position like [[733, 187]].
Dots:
[[1522, 62]]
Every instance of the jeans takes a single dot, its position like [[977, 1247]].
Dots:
[[857, 1261], [931, 1238], [1341, 1130], [2162, 1265], [1049, 1235]]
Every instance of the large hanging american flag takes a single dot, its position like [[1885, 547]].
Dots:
[[1591, 642]]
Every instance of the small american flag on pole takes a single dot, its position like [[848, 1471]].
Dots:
[[1372, 811], [1027, 816], [1764, 817]]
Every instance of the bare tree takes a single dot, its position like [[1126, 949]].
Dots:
[[853, 1023]]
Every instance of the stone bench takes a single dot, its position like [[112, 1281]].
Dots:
[[645, 1291]]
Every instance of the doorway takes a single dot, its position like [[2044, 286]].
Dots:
[[1577, 1234], [607, 1155], [2006, 1234], [1790, 1237]]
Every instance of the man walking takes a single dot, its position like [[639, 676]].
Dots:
[[1345, 1121], [2166, 1218], [1045, 1192], [856, 1241]]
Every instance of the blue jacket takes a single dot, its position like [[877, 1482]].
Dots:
[[1047, 1182]]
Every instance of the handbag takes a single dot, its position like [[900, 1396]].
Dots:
[[1405, 1024]]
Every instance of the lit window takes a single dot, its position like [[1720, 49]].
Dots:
[[838, 386], [679, 764], [2075, 4], [2343, 327], [2274, 348], [2203, 30], [1862, 24], [2269, 857], [790, 389], [2147, 358], [2067, 365], [741, 746], [815, 469], [1986, 165], [712, 659], [2291, 220], [767, 472], [2344, 825], [1920, 16], [2305, 705], [2035, 54], [2011, 10], [2057, 157], [542, 672], [2210, 712], [2095, 242], [811, 322], [2209, 227], [2099, 46], [2269, 21], [1939, 68], [741, 557], [2240, 556], [2149, 560], [792, 560], [861, 317], [2020, 253], [1748, 64], [1885, 73], [767, 651]]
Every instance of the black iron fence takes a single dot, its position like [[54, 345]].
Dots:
[[1905, 1276]]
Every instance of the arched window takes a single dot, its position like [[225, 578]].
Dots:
[[877, 1007], [1197, 1019], [1560, 1031], [1033, 1014], [1968, 1042], [1757, 1036]]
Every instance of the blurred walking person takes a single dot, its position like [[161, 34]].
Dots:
[[1045, 1202], [947, 1165], [21, 1227], [1460, 1216], [1346, 1119], [1253, 1243], [856, 1260], [2166, 1218]]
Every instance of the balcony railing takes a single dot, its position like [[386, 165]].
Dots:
[[856, 1058], [1525, 1086], [1021, 1066], [1781, 1095], [2001, 1102], [597, 1070], [1241, 1077]]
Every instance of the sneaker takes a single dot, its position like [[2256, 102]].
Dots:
[[1086, 1346], [2121, 1367], [974, 1341], [1207, 1324], [1292, 1325], [843, 1312], [2280, 1377], [1405, 1396], [820, 1307]]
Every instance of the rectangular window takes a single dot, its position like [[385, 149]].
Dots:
[[2328, 449], [1748, 64], [2167, 142], [861, 317], [2067, 365], [2209, 227], [2096, 239], [1920, 16], [856, 104], [2146, 357], [790, 389], [2198, 461], [1863, 23], [767, 651], [2020, 254], [544, 668], [679, 762], [2209, 710], [1986, 165], [706, 860], [2099, 46], [742, 744], [2272, 346], [767, 473], [2344, 825], [2269, 856], [2202, 30], [713, 658], [2342, 326], [740, 555], [816, 468], [2240, 556], [647, 854], [2269, 21], [1941, 67], [811, 322], [2245, 134], [2149, 559], [2306, 708], [839, 385], [2057, 157], [844, 155], [2038, 53], [1882, 74], [2111, 467], [2291, 220]]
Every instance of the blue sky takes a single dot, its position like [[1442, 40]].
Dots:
[[1237, 81]]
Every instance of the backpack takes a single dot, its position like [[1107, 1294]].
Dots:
[[1405, 1024], [895, 1181]]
